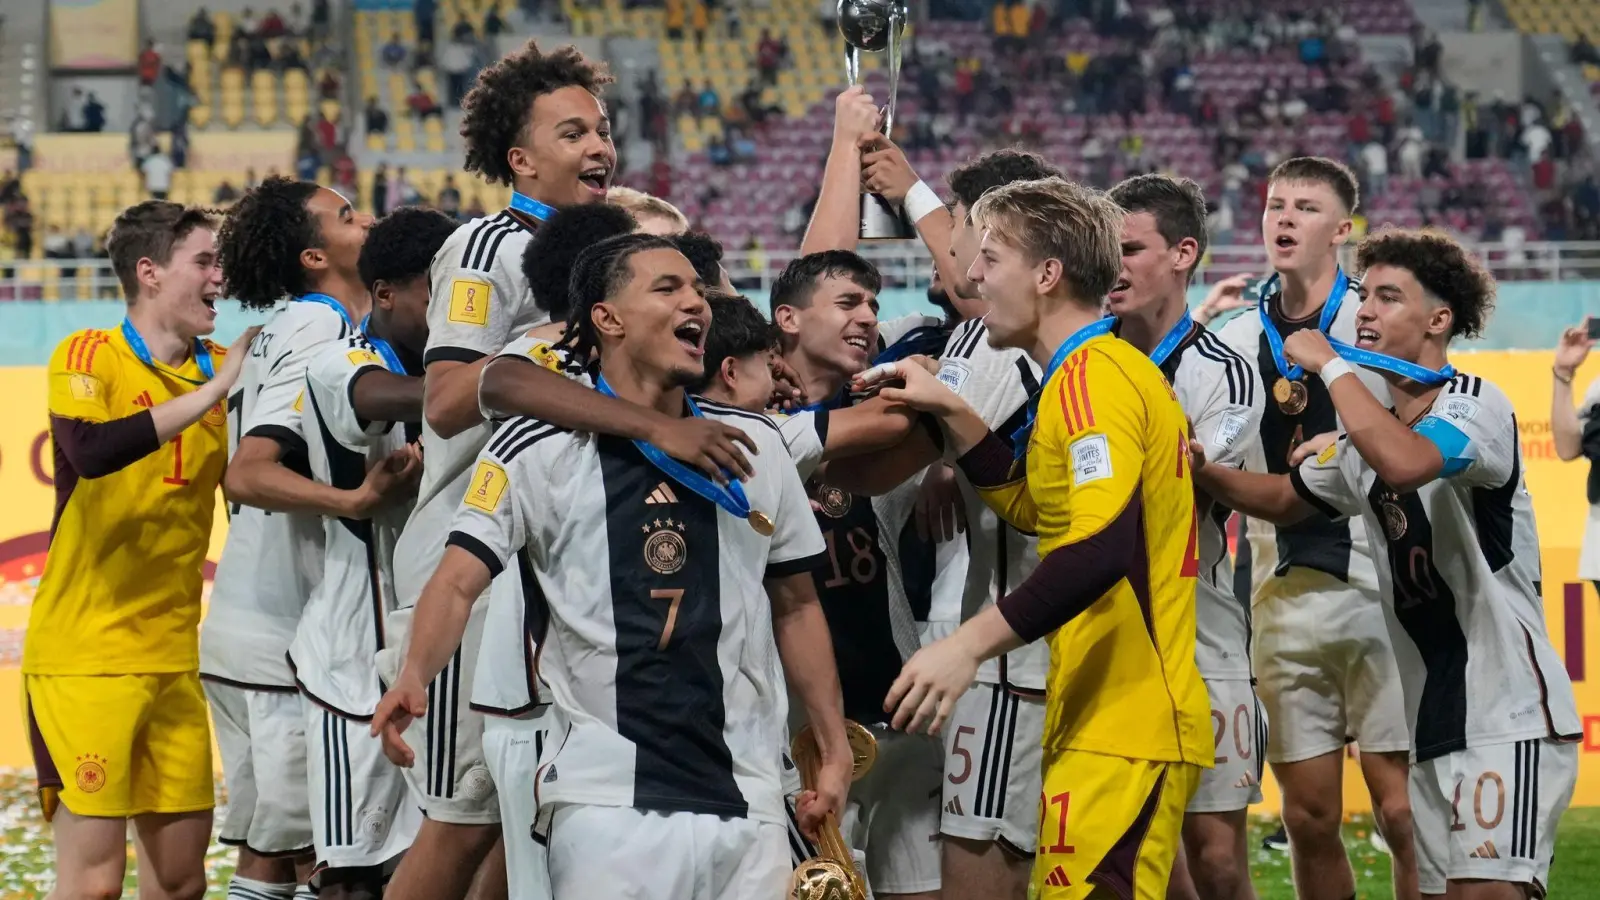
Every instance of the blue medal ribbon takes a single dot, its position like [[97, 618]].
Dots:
[[1019, 438], [1330, 311], [528, 206], [1173, 339], [391, 359], [1371, 359], [202, 354], [730, 498], [326, 300]]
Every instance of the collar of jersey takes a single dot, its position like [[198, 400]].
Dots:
[[188, 372]]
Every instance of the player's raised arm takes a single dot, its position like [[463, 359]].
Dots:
[[836, 221]]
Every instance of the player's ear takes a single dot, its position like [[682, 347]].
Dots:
[[383, 294], [728, 372], [786, 319], [1441, 319], [148, 273], [604, 318], [1186, 255], [1048, 275], [1347, 226], [521, 162], [313, 258]]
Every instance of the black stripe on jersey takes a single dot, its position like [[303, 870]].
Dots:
[[1492, 512], [1469, 385], [990, 741], [1002, 780], [1426, 608], [329, 773], [965, 338], [1241, 386], [800, 848], [449, 771], [450, 354], [518, 435], [476, 254], [478, 549], [724, 409], [347, 469], [669, 680]]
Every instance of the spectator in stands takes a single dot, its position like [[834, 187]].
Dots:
[[249, 25], [733, 22], [674, 19], [769, 57], [687, 102], [258, 54], [94, 114], [344, 175], [201, 28], [22, 140], [56, 244], [290, 57], [700, 21], [449, 199], [271, 25], [710, 103], [82, 244], [717, 151], [1410, 151], [225, 193], [157, 171], [393, 53], [10, 188], [149, 63], [1584, 52], [380, 189], [326, 132], [422, 104], [1375, 165], [328, 86], [297, 23], [423, 14], [456, 59], [377, 120], [493, 25], [19, 220]]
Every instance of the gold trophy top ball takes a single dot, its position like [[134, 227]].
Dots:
[[820, 879]]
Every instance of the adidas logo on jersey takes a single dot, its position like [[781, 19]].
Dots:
[[662, 494], [1486, 851], [1058, 878], [954, 807]]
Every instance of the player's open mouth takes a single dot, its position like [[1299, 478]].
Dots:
[[1366, 337], [596, 178], [211, 304], [691, 336], [1285, 242], [1119, 289], [857, 342]]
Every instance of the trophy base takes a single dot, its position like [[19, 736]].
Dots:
[[882, 221]]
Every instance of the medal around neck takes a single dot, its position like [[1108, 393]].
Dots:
[[877, 26], [1290, 393], [1292, 396]]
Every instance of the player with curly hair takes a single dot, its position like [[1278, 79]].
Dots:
[[294, 246], [1438, 481]]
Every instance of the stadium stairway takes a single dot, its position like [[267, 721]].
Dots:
[[22, 63]]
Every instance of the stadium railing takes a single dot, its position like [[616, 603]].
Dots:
[[903, 265]]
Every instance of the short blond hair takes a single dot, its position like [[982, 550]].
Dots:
[[640, 204], [1053, 218]]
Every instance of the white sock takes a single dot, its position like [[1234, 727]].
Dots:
[[250, 889]]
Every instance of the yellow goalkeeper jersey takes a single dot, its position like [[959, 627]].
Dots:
[[1110, 440], [120, 592]]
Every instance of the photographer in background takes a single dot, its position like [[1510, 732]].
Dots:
[[1576, 431]]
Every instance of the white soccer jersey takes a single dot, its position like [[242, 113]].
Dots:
[[271, 560], [479, 303], [1458, 563], [1589, 556], [342, 628], [656, 640], [1339, 549], [505, 681], [996, 383], [1221, 394]]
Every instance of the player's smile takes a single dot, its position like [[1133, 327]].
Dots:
[[691, 334], [597, 178]]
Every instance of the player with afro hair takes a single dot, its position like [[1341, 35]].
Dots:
[[287, 238]]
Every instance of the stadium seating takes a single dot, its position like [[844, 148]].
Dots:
[[1568, 18]]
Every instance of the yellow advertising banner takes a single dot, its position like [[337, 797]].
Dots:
[[1571, 611]]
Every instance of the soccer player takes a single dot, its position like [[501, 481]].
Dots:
[[363, 408], [292, 247], [1163, 239], [1323, 660], [665, 671], [1099, 475], [115, 712], [1438, 481], [534, 122], [654, 215]]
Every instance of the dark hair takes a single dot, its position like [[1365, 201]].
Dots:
[[597, 274], [1177, 204], [150, 230], [1444, 268], [972, 180], [704, 253], [738, 330], [798, 281], [547, 260], [401, 245], [261, 241], [1321, 170], [496, 112]]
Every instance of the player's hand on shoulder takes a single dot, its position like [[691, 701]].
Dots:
[[233, 362], [1312, 447], [855, 113], [920, 388], [924, 695], [885, 169], [401, 704], [713, 447]]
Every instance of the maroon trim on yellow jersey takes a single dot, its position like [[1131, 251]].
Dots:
[[1073, 577], [989, 463], [1116, 870], [96, 449], [49, 775]]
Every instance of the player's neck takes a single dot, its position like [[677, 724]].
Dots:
[[1412, 398], [379, 327], [164, 342], [1056, 325], [717, 392], [818, 381], [1305, 292], [635, 386], [349, 292], [529, 188], [1145, 329]]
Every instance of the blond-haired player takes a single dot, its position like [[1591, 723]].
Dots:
[[654, 215]]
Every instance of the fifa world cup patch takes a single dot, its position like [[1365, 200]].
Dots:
[[546, 356], [1328, 452], [487, 486], [363, 358], [1091, 459], [84, 387], [469, 302]]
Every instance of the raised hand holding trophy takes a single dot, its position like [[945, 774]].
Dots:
[[876, 26]]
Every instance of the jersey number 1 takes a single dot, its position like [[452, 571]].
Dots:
[[176, 478]]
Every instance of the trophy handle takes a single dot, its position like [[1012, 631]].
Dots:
[[897, 26], [852, 63]]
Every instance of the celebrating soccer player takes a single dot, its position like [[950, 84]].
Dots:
[[1323, 660], [115, 709], [1099, 474], [1438, 482], [625, 655], [1163, 239]]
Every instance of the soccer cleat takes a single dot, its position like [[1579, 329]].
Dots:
[[1278, 841], [1379, 843]]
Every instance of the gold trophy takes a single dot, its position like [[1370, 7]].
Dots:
[[832, 874]]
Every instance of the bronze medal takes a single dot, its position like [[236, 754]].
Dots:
[[761, 522], [1292, 396]]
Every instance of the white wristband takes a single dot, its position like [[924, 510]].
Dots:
[[1334, 369], [920, 201]]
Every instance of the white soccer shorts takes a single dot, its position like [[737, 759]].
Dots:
[[609, 851], [1240, 730], [450, 777], [364, 813], [993, 753], [1490, 813], [1325, 668], [262, 739], [511, 748]]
